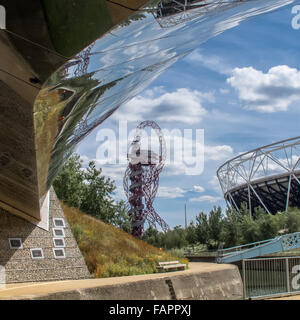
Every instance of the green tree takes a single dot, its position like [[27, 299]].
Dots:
[[121, 217], [293, 220], [191, 234], [231, 232], [98, 197], [202, 229], [267, 227], [175, 238], [69, 184], [215, 224], [153, 237], [249, 230], [89, 191]]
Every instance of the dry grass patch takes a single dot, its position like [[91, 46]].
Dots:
[[111, 252]]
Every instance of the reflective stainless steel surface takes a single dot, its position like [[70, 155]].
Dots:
[[40, 36], [89, 87]]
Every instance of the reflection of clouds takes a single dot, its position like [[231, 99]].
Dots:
[[138, 34], [180, 106], [107, 60], [212, 62], [137, 51], [130, 57]]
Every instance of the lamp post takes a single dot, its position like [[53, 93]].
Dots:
[[185, 215]]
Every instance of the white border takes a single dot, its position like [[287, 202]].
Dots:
[[34, 258], [57, 246], [14, 248], [2, 18], [2, 277], [45, 212], [58, 236], [60, 257], [60, 219]]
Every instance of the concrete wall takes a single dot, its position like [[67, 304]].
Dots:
[[18, 263], [222, 284]]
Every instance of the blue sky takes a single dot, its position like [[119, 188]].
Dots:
[[242, 87]]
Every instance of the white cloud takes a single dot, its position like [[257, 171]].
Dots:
[[113, 171], [120, 193], [173, 169], [180, 106], [170, 192], [224, 91], [267, 92], [214, 182], [181, 157], [198, 189], [206, 198], [218, 153]]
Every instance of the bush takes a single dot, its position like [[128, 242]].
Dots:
[[249, 230], [293, 220], [232, 229], [268, 228]]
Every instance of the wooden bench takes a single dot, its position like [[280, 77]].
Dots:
[[170, 266]]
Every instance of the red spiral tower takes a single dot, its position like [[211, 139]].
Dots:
[[141, 180]]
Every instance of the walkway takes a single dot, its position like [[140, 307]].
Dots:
[[29, 290]]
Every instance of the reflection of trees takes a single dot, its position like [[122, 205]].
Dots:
[[134, 17], [74, 24], [84, 101]]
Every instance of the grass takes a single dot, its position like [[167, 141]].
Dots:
[[198, 250], [74, 24], [111, 252]]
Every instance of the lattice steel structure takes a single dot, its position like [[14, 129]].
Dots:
[[141, 180], [173, 12], [268, 177], [79, 66]]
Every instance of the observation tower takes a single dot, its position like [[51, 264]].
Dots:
[[141, 180]]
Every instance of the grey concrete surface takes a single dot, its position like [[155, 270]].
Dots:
[[202, 281]]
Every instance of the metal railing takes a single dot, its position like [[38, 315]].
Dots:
[[271, 276], [227, 251], [285, 242]]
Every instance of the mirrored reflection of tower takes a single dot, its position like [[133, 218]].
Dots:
[[141, 180], [173, 12]]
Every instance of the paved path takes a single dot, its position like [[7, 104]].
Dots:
[[296, 297], [13, 291]]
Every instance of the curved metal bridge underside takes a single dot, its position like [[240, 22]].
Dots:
[[65, 66]]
